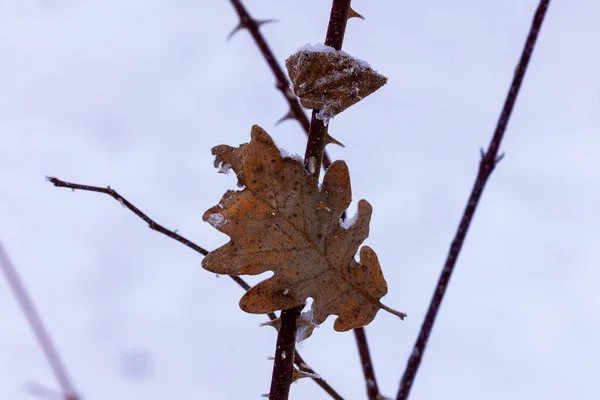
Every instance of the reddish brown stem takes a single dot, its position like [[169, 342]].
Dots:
[[41, 334], [367, 364], [486, 166], [284, 355]]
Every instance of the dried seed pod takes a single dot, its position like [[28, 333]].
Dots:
[[330, 80]]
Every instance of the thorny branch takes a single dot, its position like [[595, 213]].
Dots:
[[488, 161], [42, 336], [174, 235], [283, 84], [296, 112], [317, 135]]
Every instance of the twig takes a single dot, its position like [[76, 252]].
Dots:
[[367, 364], [283, 84], [151, 223], [173, 235], [286, 340], [488, 161], [41, 334]]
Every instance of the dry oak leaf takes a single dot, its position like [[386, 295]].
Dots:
[[330, 80], [281, 221]]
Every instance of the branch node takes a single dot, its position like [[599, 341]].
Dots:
[[354, 14]]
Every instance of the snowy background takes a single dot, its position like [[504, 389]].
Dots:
[[133, 94]]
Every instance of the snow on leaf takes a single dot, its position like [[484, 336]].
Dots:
[[283, 222], [330, 80]]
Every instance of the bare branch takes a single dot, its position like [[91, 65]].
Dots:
[[173, 235], [41, 334], [486, 166], [283, 84], [367, 364]]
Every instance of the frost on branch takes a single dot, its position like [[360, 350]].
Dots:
[[330, 80], [283, 222]]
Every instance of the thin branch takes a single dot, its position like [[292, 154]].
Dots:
[[286, 339], [367, 364], [173, 235], [283, 84], [41, 334], [125, 203], [488, 162]]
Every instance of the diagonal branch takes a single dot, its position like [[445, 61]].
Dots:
[[489, 160], [283, 84], [41, 334], [174, 235]]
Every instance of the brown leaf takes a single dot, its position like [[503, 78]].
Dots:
[[281, 221], [330, 80]]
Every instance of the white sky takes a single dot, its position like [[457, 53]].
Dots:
[[133, 94]]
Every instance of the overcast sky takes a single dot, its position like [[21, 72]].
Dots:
[[133, 94]]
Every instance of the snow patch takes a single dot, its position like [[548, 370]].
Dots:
[[216, 220], [312, 165], [348, 222], [287, 154], [224, 168], [321, 48], [305, 325]]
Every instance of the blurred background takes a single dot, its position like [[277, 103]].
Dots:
[[133, 94]]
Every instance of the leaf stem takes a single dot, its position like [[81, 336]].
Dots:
[[399, 314], [488, 162]]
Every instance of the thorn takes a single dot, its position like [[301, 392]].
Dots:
[[266, 395], [482, 153], [290, 94], [265, 21], [499, 158], [238, 28], [289, 115], [331, 140], [276, 323], [297, 374], [271, 358], [354, 14]]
